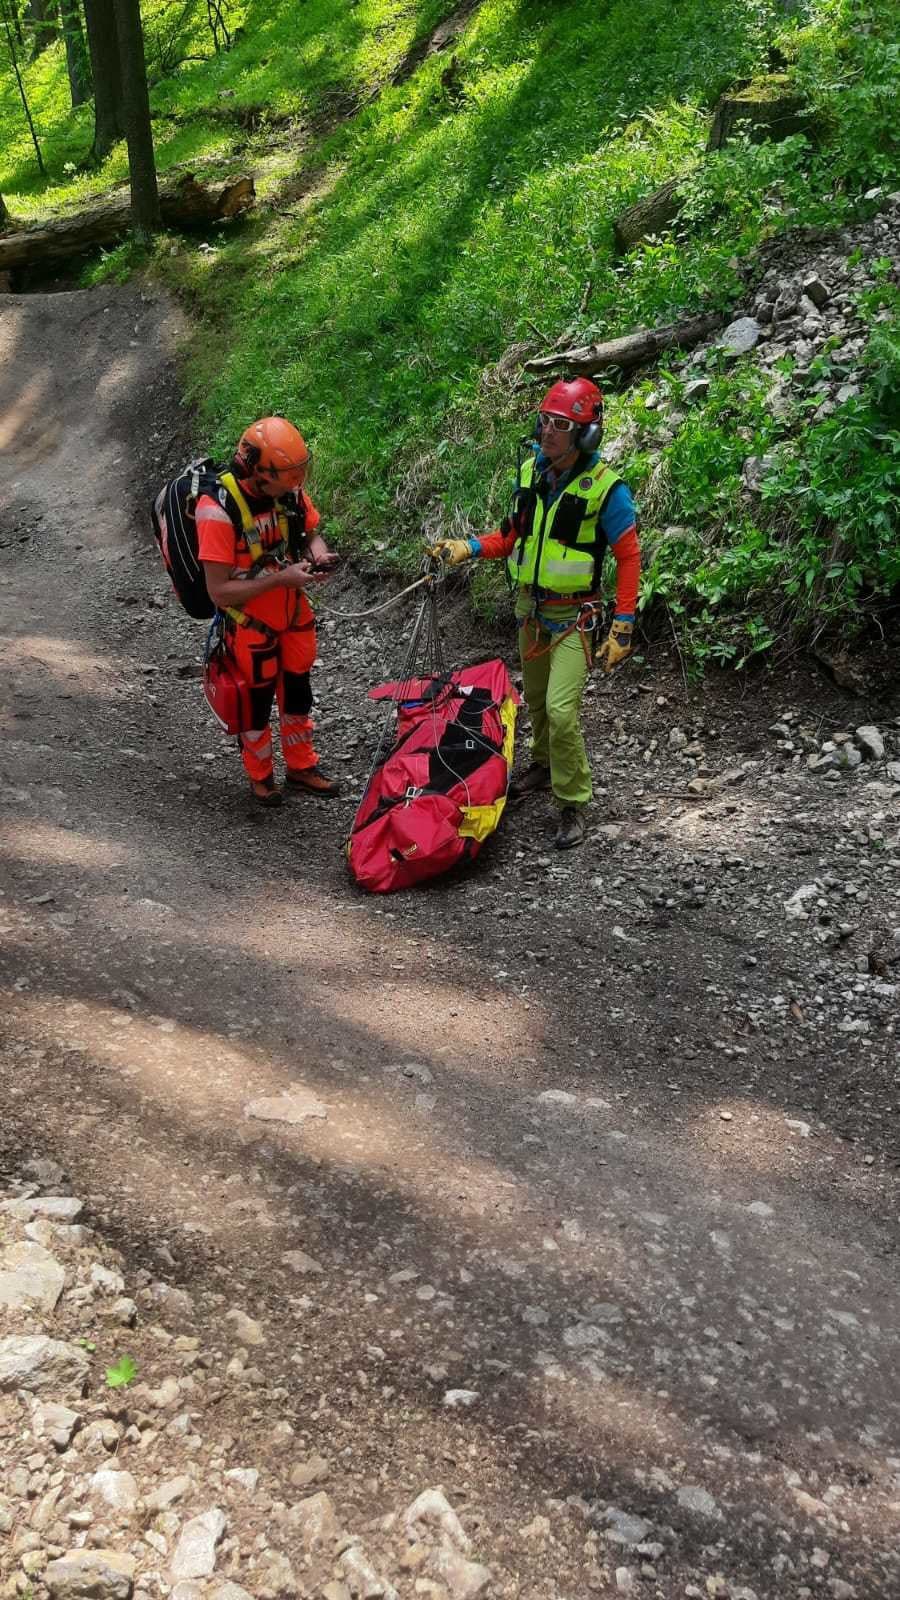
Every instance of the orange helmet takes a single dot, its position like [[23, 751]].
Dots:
[[273, 454]]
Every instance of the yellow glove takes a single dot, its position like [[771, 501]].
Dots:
[[453, 551], [616, 646]]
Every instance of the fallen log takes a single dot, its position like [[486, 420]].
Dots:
[[648, 215], [632, 350], [185, 204]]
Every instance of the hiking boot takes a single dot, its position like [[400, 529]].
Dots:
[[265, 791], [536, 777], [313, 781], [571, 829]]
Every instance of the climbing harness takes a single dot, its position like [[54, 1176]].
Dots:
[[585, 625]]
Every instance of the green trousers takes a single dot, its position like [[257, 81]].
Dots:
[[554, 682]]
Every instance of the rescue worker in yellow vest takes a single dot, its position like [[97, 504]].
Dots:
[[568, 509]]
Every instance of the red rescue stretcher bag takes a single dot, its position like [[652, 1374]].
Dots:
[[439, 788], [226, 688]]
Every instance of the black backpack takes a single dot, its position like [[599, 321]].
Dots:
[[174, 522]]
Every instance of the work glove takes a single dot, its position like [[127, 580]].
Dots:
[[616, 646], [453, 551]]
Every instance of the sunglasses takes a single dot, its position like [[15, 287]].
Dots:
[[273, 474], [559, 424]]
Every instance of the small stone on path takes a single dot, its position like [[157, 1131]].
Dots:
[[455, 1399], [693, 1498], [298, 1106]]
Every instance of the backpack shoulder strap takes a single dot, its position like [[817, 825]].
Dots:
[[248, 526]]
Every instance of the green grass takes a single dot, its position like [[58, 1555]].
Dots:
[[443, 224]]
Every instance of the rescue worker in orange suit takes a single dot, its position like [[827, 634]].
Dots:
[[275, 642], [568, 509]]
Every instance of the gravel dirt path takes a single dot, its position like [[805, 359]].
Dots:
[[606, 1140]]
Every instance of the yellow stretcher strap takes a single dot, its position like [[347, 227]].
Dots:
[[480, 821]]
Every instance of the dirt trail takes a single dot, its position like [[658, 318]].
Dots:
[[610, 1140]]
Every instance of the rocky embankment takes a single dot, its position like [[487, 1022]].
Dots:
[[803, 326]]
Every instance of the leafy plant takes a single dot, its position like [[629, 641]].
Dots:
[[121, 1374]]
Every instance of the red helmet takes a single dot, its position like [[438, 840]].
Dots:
[[576, 398], [273, 454]]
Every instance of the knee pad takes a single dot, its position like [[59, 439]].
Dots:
[[298, 697]]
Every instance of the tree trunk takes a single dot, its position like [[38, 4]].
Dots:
[[10, 13], [107, 75], [4, 213], [185, 204], [77, 63], [145, 212], [649, 215], [766, 109], [14, 63], [631, 351], [43, 17]]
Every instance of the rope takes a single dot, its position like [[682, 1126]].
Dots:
[[372, 611]]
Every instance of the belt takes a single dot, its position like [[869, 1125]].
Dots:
[[546, 597]]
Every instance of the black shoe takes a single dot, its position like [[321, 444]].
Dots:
[[537, 777], [571, 829]]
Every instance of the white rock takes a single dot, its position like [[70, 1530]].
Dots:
[[116, 1489], [464, 1579], [799, 904], [433, 1509], [304, 1473], [582, 1336], [166, 1495], [56, 1209], [90, 1575], [870, 742], [363, 1579], [246, 1329], [623, 1527], [294, 1107], [30, 1277], [455, 1399], [556, 1097], [314, 1520], [245, 1477], [54, 1422], [299, 1261], [108, 1281], [195, 1553], [36, 1363], [693, 1498]]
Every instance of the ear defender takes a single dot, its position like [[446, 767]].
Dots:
[[590, 436]]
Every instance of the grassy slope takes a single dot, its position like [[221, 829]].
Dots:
[[443, 225]]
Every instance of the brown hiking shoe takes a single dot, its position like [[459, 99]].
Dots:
[[313, 781], [265, 791], [535, 778], [571, 829]]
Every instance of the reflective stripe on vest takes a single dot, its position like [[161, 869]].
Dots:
[[562, 561]]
